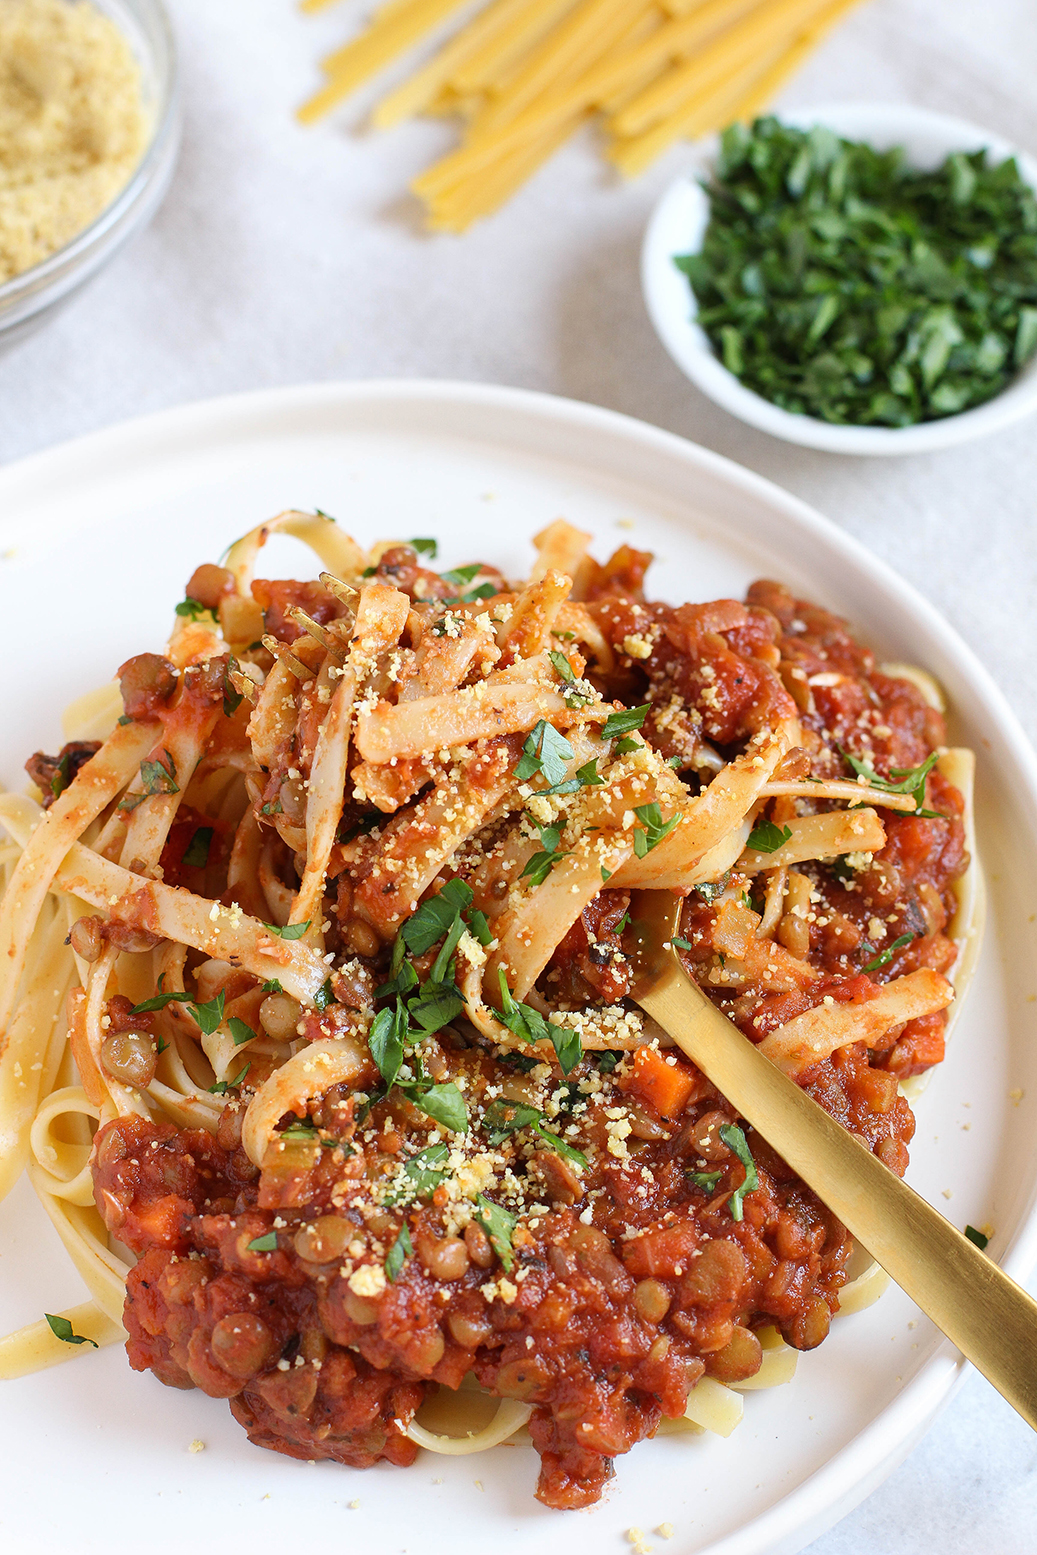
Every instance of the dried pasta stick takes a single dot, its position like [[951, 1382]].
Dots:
[[458, 208], [365, 55], [485, 68], [419, 91]]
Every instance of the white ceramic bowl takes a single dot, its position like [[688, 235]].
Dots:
[[678, 225]]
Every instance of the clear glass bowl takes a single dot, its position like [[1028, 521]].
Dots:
[[28, 299]]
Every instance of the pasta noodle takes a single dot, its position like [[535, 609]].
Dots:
[[314, 985], [524, 74]]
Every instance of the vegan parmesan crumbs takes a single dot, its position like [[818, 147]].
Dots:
[[72, 124]]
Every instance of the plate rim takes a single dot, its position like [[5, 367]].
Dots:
[[856, 1469]]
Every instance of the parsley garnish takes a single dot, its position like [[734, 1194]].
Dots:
[[733, 1137], [223, 1086], [272, 986], [885, 956], [386, 1040], [911, 779], [541, 864], [480, 927], [267, 1243], [290, 930], [324, 996], [504, 1118], [589, 775], [608, 1060], [707, 1180], [839, 283], [562, 668], [426, 1171], [443, 1103], [655, 829], [531, 1026], [629, 719], [62, 1329], [156, 778], [193, 609], [60, 779], [626, 745], [498, 1223], [765, 837], [545, 751], [232, 697], [240, 1031], [196, 854], [208, 1015], [402, 1248], [709, 890], [436, 917], [974, 1236], [459, 576], [425, 548], [680, 944]]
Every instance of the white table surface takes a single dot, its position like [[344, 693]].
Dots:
[[286, 255]]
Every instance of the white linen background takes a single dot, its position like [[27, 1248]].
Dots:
[[285, 255]]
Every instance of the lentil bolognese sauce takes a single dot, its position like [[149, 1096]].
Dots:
[[348, 1039]]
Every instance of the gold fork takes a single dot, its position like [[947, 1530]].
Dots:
[[988, 1316]]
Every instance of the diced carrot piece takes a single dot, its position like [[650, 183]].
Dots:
[[666, 1252], [668, 1086]]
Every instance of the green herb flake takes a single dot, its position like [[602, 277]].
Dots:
[[503, 1118], [272, 986], [626, 722], [60, 779], [498, 1223], [264, 1244], [902, 780], [680, 944], [974, 1236], [562, 667], [589, 775], [386, 1039], [434, 918], [223, 1086], [838, 282], [240, 1031], [289, 930], [196, 854], [545, 751], [480, 927], [734, 1139], [62, 1329], [425, 547], [210, 1015], [192, 609], [401, 1249], [324, 996], [766, 837], [156, 778], [885, 956], [653, 829], [521, 1019], [443, 1103], [424, 1173], [707, 1180]]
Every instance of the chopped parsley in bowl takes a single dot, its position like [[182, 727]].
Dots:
[[862, 279]]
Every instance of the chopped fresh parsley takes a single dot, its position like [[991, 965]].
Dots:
[[386, 1040], [401, 1249], [443, 1103], [838, 282], [324, 996], [562, 668], [545, 751], [480, 927], [240, 1031], [223, 1086], [434, 918], [977, 1237], [425, 548], [498, 1223], [626, 745], [531, 1026], [653, 828], [272, 807], [734, 1139], [232, 697], [272, 986], [60, 779], [626, 722], [885, 956], [911, 780], [589, 775], [680, 944], [435, 1006], [156, 778], [192, 609], [707, 1180], [289, 931], [208, 1015], [460, 576], [709, 890], [607, 1060], [425, 1172], [62, 1329], [766, 837], [503, 1118], [541, 864], [264, 1244], [196, 854]]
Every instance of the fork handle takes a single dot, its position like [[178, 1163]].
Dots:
[[986, 1314]]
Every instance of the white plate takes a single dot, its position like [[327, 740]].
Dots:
[[98, 538], [678, 226]]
